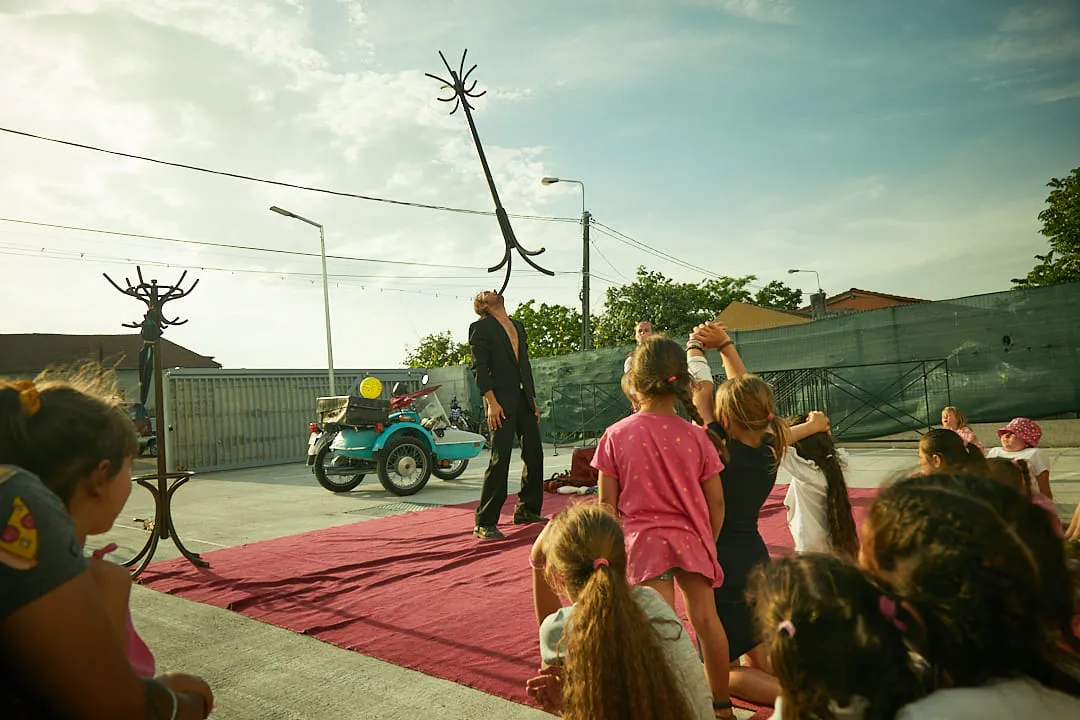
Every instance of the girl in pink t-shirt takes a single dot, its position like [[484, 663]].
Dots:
[[662, 475]]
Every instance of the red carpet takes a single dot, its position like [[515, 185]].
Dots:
[[415, 589]]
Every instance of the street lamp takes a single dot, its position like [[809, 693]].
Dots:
[[586, 325], [796, 270], [325, 288]]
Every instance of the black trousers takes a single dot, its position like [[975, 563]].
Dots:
[[521, 422]]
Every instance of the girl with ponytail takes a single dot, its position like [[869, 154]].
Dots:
[[818, 506], [660, 474], [619, 651], [753, 444]]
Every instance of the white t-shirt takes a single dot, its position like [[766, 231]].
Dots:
[[626, 365], [674, 639], [855, 710], [806, 501], [1036, 459], [1020, 699]]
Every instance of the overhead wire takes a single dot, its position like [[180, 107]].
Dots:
[[249, 248], [644, 247], [279, 183]]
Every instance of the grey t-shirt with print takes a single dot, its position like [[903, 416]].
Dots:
[[38, 548], [680, 652]]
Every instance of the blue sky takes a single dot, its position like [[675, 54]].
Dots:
[[900, 147]]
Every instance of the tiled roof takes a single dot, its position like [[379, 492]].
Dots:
[[35, 352]]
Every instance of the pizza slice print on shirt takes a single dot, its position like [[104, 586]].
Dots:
[[19, 538]]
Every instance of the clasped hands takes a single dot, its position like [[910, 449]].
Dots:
[[710, 334]]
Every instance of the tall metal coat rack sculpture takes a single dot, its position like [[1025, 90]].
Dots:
[[460, 98], [152, 327]]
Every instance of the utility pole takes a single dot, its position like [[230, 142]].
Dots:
[[586, 218], [586, 324]]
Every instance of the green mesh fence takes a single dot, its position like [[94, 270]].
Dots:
[[876, 373]]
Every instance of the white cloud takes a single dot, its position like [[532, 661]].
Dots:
[[767, 11], [244, 88], [1056, 94]]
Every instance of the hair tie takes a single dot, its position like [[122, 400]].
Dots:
[[787, 627], [830, 456], [671, 379], [1015, 462], [28, 396], [600, 562], [770, 418], [888, 608]]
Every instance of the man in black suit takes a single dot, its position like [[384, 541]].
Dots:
[[500, 363]]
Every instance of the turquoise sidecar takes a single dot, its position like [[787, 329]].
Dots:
[[405, 440]]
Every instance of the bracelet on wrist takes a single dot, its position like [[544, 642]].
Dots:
[[723, 345], [695, 346], [175, 702]]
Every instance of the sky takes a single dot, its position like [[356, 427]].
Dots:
[[896, 147]]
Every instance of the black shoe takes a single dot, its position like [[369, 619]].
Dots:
[[488, 532], [525, 517]]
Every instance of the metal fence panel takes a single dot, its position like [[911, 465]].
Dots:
[[228, 419]]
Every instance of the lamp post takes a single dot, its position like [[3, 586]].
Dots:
[[817, 301], [586, 324], [325, 288]]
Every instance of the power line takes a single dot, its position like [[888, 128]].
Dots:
[[338, 280], [627, 240], [57, 254], [610, 265], [250, 248], [279, 183]]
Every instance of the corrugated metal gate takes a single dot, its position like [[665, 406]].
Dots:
[[230, 419]]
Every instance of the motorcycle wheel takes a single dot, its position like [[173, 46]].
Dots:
[[404, 465], [450, 473], [151, 448], [334, 483]]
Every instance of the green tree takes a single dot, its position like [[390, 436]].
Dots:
[[551, 329], [674, 307], [1061, 225], [437, 350], [778, 295]]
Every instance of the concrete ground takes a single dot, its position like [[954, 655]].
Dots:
[[260, 671]]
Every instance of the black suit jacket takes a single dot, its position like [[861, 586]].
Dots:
[[494, 365]]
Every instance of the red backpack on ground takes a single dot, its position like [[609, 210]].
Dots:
[[582, 473]]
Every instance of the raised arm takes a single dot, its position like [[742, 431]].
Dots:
[[713, 336], [815, 422]]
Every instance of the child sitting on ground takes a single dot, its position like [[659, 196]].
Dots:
[[1019, 441], [989, 615], [943, 451], [1017, 475], [835, 640], [82, 447], [818, 507], [953, 419], [618, 651]]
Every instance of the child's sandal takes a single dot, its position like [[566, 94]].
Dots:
[[723, 710]]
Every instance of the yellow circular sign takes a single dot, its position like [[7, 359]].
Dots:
[[370, 388]]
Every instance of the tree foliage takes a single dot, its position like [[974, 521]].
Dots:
[[437, 350], [675, 307], [778, 295], [1061, 225], [551, 329], [672, 307]]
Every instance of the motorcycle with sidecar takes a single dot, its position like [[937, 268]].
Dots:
[[404, 440]]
